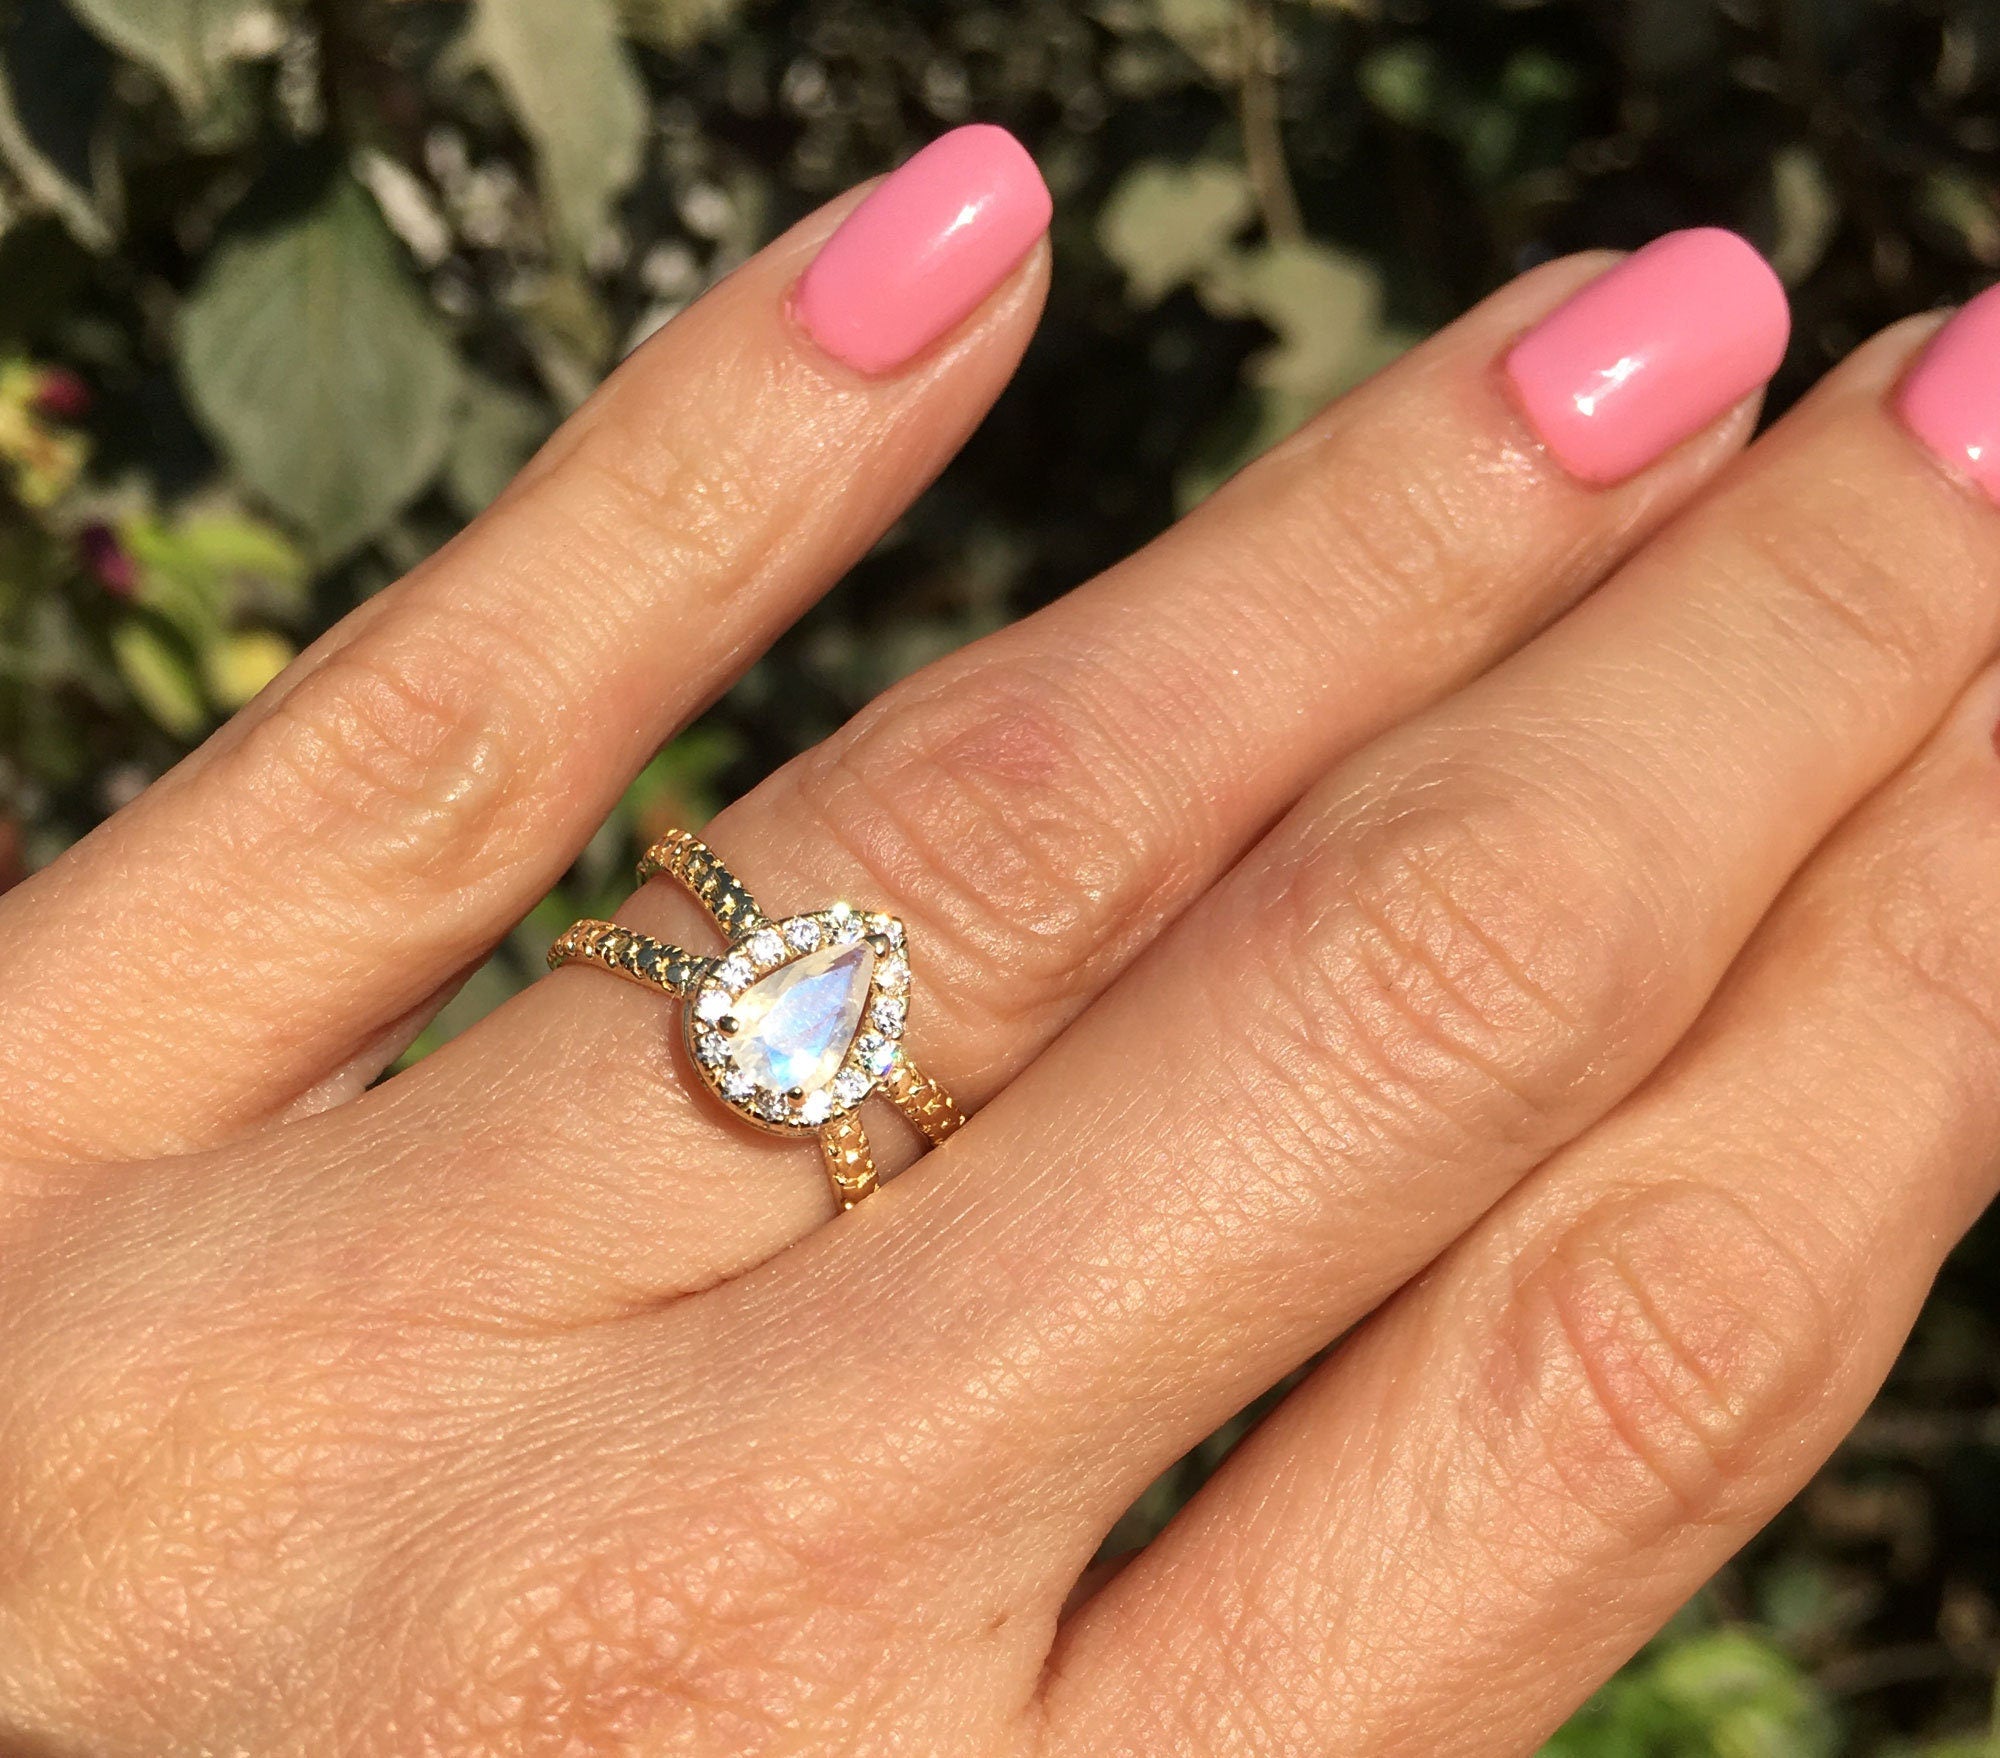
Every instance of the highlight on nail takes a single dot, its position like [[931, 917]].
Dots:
[[1651, 352], [924, 250], [1951, 398]]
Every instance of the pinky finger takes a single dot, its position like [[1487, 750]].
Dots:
[[1526, 1462]]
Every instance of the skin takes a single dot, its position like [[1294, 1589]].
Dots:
[[1547, 932]]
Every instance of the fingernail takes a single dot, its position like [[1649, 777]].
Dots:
[[1651, 352], [1951, 400], [922, 252]]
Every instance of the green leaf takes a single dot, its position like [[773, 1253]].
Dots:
[[208, 569], [677, 24], [1324, 304], [55, 90], [682, 784], [1807, 210], [570, 79], [1166, 224], [186, 42], [158, 674], [321, 370], [1210, 32], [1401, 80], [1325, 307], [240, 665], [1963, 205], [498, 433], [1722, 1694]]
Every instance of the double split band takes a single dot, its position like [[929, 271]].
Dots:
[[798, 1022]]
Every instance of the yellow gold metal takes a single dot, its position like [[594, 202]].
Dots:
[[625, 952], [696, 867], [850, 1166], [923, 1102], [656, 965]]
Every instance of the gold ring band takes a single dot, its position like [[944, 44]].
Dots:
[[795, 1024]]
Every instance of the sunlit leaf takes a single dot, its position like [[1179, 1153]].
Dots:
[[204, 571], [321, 370], [187, 42], [567, 73], [239, 665], [1807, 213], [55, 86], [1211, 32], [677, 24], [1166, 224], [157, 673], [1401, 80], [1325, 307], [1965, 207]]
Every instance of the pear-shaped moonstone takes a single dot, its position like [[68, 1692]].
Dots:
[[794, 1027]]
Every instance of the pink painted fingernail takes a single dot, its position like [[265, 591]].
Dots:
[[1651, 352], [918, 257], [1951, 400]]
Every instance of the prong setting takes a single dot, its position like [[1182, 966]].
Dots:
[[729, 1017]]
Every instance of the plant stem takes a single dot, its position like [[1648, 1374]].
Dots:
[[1263, 132]]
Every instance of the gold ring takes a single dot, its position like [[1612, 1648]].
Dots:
[[796, 1024]]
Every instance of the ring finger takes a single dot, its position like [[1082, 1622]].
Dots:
[[1038, 807], [1453, 958]]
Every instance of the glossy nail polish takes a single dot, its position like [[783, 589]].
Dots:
[[1951, 399], [924, 250], [1651, 352]]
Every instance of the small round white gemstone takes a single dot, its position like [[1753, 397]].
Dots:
[[803, 934], [888, 927], [772, 1104], [765, 948], [712, 1049], [887, 1013], [893, 974], [850, 1086], [712, 1005], [843, 926], [737, 1086], [877, 1055], [734, 972], [816, 1106]]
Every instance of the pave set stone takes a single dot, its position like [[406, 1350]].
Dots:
[[800, 1021]]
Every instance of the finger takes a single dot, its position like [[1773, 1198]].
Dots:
[[1523, 1465], [266, 912], [1037, 807], [1453, 958]]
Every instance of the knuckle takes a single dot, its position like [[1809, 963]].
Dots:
[[691, 500], [405, 758], [1348, 508], [993, 809], [1448, 974], [1659, 1344]]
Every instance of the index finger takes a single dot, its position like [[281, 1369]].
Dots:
[[418, 783]]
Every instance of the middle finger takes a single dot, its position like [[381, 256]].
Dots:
[[1465, 947], [1037, 807]]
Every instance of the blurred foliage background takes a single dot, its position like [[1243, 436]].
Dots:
[[288, 288]]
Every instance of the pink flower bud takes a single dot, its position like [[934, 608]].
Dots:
[[62, 395], [109, 560]]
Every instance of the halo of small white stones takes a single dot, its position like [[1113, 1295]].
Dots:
[[771, 947]]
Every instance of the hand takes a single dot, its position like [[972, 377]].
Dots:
[[1334, 916]]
